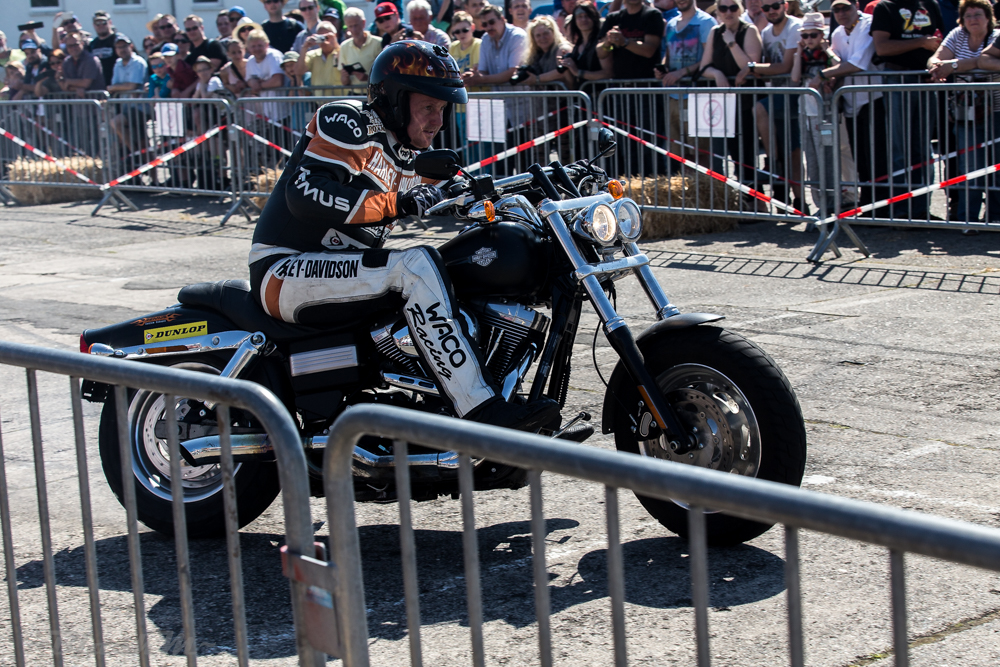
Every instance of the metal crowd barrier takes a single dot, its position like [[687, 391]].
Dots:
[[899, 531], [754, 173], [68, 641]]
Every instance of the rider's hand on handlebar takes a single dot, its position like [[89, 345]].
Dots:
[[418, 199]]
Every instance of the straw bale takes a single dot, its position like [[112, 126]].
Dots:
[[264, 182], [692, 190], [31, 169]]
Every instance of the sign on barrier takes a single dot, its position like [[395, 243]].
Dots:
[[712, 115]]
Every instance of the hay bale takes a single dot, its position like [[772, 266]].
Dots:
[[264, 182], [690, 191], [25, 169]]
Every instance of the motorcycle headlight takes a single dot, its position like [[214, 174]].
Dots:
[[601, 223], [629, 219]]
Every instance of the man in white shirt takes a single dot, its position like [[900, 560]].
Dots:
[[853, 43], [781, 41]]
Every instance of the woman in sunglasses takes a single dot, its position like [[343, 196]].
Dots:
[[731, 47]]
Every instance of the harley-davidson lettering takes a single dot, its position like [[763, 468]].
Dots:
[[484, 256], [446, 344], [175, 332], [318, 268], [156, 319]]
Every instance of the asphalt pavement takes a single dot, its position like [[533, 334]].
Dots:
[[894, 359]]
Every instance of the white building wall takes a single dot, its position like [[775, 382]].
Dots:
[[131, 16]]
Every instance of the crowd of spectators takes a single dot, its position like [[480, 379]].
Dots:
[[317, 47]]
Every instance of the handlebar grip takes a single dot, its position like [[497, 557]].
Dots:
[[542, 179]]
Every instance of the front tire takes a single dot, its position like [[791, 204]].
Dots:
[[256, 482], [739, 405]]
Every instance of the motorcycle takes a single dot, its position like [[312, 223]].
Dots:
[[554, 237]]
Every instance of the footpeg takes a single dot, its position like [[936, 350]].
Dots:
[[583, 416]]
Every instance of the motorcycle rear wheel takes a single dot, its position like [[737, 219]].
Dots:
[[256, 482], [738, 404]]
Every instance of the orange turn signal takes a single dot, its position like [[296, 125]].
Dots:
[[491, 210], [616, 189]]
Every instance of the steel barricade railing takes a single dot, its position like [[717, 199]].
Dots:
[[923, 153], [900, 531], [50, 143], [714, 167], [505, 132], [122, 375]]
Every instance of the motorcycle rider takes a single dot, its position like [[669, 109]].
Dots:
[[317, 255]]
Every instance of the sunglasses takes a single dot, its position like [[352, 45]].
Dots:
[[383, 19], [97, 23], [307, 9], [842, 8], [459, 31], [273, 2], [164, 27], [181, 41], [192, 29], [727, 8], [160, 66], [810, 35], [776, 5]]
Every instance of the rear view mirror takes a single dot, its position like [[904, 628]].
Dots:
[[606, 144], [438, 165]]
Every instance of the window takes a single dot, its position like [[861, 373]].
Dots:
[[45, 4], [127, 2]]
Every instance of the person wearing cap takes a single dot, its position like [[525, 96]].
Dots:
[[333, 16], [194, 28], [419, 13], [389, 25], [318, 57], [182, 76], [129, 75], [103, 43], [223, 25], [310, 12], [7, 56], [13, 80], [359, 52], [852, 42], [159, 77], [35, 65], [208, 84], [280, 31]]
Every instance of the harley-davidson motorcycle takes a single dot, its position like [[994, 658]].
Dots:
[[553, 239]]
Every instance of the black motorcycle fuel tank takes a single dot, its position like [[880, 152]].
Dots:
[[503, 259]]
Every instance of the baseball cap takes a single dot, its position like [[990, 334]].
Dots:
[[331, 12], [385, 9], [169, 49], [122, 38], [847, 3], [239, 10], [70, 19], [102, 15], [290, 57], [28, 44]]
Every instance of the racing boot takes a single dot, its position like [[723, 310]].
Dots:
[[530, 417]]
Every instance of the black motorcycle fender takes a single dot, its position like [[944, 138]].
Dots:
[[620, 378]]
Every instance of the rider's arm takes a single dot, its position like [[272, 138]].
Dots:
[[324, 189]]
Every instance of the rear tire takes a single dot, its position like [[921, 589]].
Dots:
[[745, 411], [256, 482]]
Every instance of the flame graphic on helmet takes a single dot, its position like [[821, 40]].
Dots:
[[415, 62]]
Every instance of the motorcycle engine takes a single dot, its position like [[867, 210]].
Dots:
[[506, 332]]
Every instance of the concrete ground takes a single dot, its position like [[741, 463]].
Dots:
[[894, 360]]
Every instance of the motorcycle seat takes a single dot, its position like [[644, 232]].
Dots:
[[232, 298]]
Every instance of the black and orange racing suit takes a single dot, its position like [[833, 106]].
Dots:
[[317, 253]]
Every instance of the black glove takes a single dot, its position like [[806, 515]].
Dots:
[[418, 199]]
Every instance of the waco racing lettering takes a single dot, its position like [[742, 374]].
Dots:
[[174, 332], [445, 346], [317, 268]]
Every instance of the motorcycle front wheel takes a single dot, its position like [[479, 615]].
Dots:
[[256, 482], [737, 404]]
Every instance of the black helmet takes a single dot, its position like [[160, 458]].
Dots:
[[410, 66]]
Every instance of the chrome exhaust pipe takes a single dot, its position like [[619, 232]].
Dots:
[[434, 466]]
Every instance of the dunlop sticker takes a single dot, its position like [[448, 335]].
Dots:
[[175, 332]]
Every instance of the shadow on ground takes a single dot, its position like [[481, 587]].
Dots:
[[656, 575]]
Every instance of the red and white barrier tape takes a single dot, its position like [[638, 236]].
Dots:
[[166, 157], [264, 118], [536, 120], [940, 158], [53, 135], [708, 172], [258, 138], [525, 146], [23, 144], [916, 193]]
